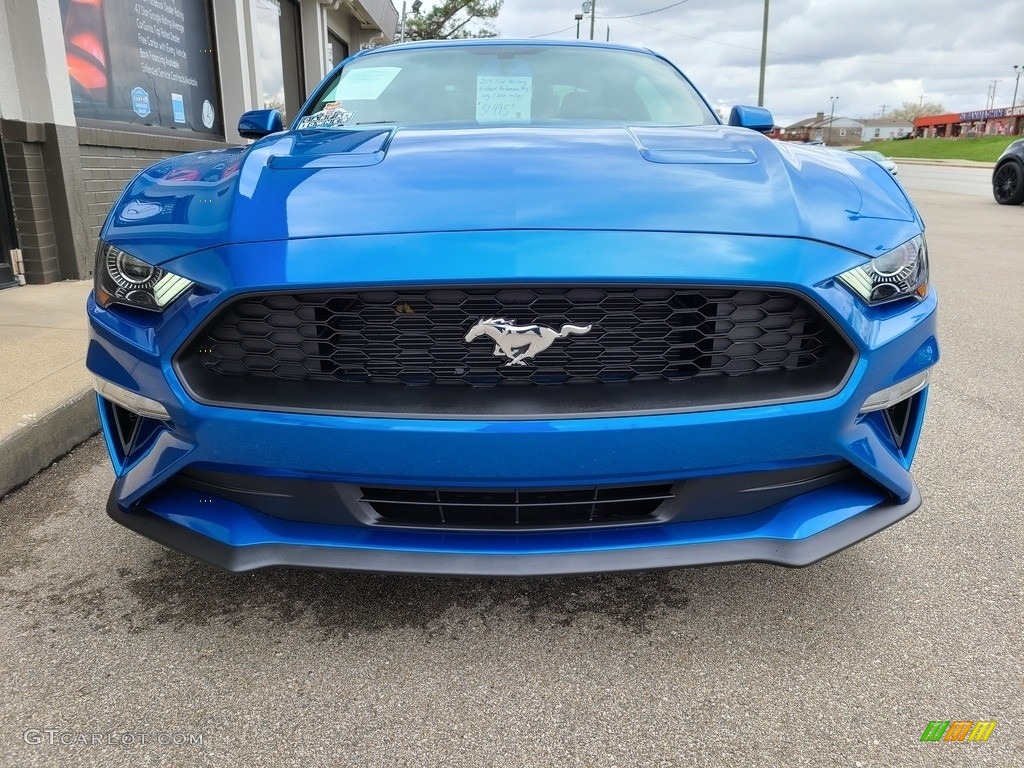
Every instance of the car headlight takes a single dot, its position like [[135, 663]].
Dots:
[[123, 279], [900, 273]]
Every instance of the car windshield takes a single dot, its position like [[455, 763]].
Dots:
[[506, 84]]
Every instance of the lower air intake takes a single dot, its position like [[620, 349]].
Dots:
[[513, 508]]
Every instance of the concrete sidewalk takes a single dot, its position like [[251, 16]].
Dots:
[[46, 398]]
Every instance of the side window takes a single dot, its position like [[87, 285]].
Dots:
[[658, 107], [337, 49]]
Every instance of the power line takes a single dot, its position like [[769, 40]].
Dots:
[[556, 32], [782, 53], [628, 16], [645, 13]]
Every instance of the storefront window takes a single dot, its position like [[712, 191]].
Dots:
[[337, 50], [147, 62], [280, 57]]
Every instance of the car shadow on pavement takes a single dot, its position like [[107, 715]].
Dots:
[[176, 590], [109, 580]]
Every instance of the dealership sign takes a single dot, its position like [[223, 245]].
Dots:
[[147, 62], [983, 114]]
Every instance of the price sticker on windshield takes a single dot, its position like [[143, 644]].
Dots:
[[503, 98]]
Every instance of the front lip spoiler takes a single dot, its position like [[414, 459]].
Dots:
[[792, 553]]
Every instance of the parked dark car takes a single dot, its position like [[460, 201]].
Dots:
[[1008, 176]]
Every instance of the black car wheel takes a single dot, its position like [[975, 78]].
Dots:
[[1008, 184]]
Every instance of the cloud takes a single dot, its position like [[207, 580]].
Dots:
[[869, 53]]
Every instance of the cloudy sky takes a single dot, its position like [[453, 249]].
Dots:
[[866, 52]]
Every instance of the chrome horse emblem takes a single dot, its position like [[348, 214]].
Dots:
[[520, 342]]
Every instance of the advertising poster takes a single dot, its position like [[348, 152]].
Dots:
[[148, 62]]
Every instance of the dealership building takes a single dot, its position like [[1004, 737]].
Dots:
[[1001, 121], [92, 91]]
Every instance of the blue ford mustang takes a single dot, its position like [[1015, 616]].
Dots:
[[511, 308]]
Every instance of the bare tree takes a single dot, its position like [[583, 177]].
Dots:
[[277, 104], [911, 111]]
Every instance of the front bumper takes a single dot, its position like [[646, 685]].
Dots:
[[893, 343], [243, 540]]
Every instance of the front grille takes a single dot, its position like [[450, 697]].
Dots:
[[516, 507], [416, 337]]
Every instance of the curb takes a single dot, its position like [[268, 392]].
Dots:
[[944, 163], [35, 446]]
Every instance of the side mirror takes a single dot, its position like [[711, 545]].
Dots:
[[755, 118], [259, 122]]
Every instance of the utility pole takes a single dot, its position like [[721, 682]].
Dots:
[[402, 40], [883, 110], [992, 95], [1018, 69], [764, 56], [831, 116], [593, 15]]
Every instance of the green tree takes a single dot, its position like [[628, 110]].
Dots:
[[911, 111], [454, 18]]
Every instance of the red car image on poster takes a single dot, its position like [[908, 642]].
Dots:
[[85, 42]]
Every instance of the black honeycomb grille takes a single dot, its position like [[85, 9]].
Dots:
[[416, 337]]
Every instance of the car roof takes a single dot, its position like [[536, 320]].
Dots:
[[499, 42]]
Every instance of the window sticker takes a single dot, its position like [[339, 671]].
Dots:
[[365, 84], [503, 98], [178, 107], [333, 115]]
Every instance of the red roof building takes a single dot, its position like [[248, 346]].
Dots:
[[1004, 121]]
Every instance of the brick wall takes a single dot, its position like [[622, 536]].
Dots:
[[23, 151], [110, 159], [106, 171], [59, 200]]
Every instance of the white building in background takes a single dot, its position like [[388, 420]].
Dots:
[[884, 128]]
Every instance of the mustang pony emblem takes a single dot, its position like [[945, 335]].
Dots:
[[520, 342]]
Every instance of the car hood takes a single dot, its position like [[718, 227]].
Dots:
[[319, 183]]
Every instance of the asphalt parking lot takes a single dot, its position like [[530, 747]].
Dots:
[[118, 652]]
